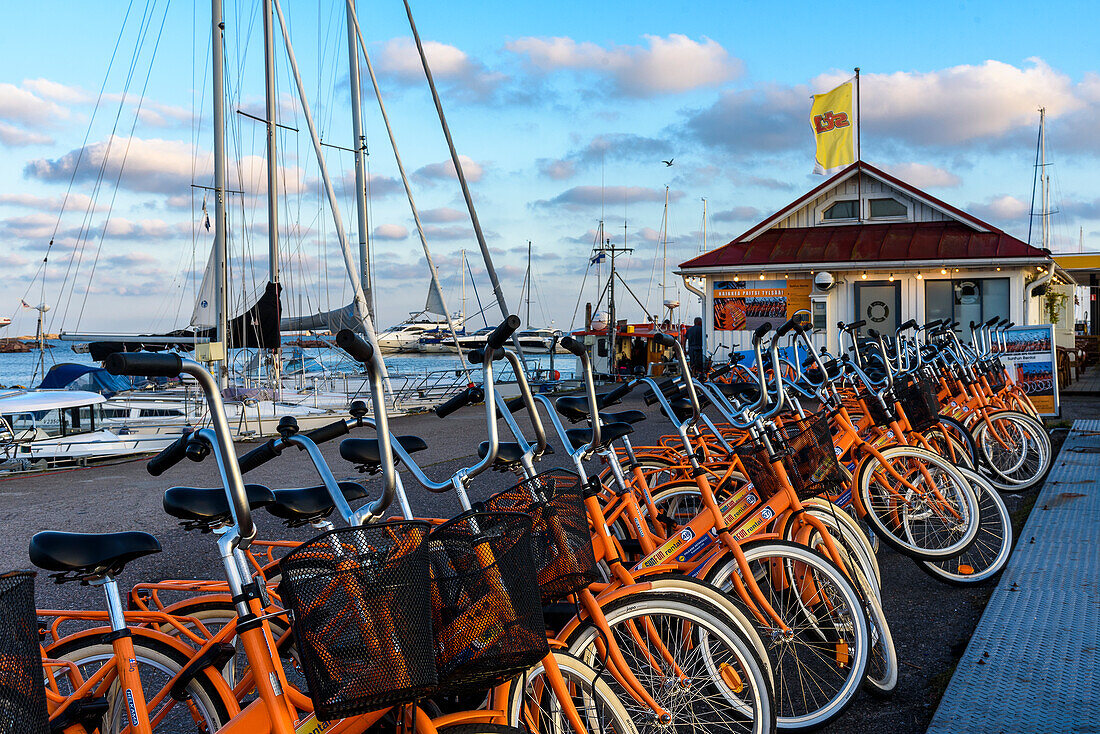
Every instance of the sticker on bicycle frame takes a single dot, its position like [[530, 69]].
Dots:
[[758, 521], [733, 509], [313, 725], [695, 548], [132, 706]]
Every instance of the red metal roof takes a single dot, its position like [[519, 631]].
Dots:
[[898, 241]]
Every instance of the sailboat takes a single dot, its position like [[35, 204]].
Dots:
[[430, 321]]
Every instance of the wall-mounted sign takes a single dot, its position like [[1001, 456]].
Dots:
[[746, 305], [1032, 362]]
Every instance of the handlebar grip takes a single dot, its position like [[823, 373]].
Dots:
[[665, 340], [169, 456], [993, 320], [610, 398], [138, 364], [783, 330], [354, 345], [514, 404], [500, 334], [667, 387], [760, 332], [854, 325], [910, 324], [736, 358], [328, 432], [572, 346], [471, 394], [1002, 322], [933, 324], [477, 356], [873, 333], [1010, 324], [258, 456]]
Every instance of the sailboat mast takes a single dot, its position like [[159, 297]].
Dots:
[[704, 224], [272, 168], [359, 145], [664, 253], [1043, 178], [527, 321], [220, 281]]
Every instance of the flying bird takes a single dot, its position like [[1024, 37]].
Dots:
[[668, 162]]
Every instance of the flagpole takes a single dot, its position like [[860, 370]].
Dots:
[[859, 156]]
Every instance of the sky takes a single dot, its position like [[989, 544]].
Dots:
[[563, 114]]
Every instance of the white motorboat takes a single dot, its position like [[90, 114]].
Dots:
[[49, 428]]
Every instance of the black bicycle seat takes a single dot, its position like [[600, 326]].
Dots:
[[89, 554], [204, 508], [305, 505], [610, 432], [573, 407], [623, 416], [365, 450]]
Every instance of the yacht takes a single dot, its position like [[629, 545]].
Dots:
[[43, 429], [405, 336]]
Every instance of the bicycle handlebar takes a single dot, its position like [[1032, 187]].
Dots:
[[472, 394], [572, 346], [505, 329], [477, 356], [760, 332], [354, 345], [783, 330], [170, 455], [610, 398]]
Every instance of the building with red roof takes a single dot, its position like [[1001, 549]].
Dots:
[[867, 245]]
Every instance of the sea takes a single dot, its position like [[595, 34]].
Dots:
[[23, 369]]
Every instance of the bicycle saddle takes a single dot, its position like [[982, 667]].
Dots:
[[738, 389], [365, 450], [89, 554], [573, 407], [304, 505], [202, 508], [623, 416], [610, 432]]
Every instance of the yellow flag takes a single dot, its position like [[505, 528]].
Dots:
[[834, 126]]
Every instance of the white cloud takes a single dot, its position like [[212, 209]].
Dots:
[[158, 166], [923, 175], [56, 91], [21, 106], [446, 169], [962, 103], [557, 170], [390, 232], [13, 136], [580, 197], [442, 214], [1001, 209], [398, 58], [665, 65]]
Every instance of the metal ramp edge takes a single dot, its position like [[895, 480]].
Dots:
[[1031, 665]]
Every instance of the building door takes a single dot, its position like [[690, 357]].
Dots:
[[879, 304]]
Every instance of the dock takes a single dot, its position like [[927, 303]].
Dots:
[[1031, 665]]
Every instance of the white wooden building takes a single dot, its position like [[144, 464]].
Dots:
[[866, 245]]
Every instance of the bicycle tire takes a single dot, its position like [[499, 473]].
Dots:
[[594, 699], [983, 561], [916, 528], [805, 650], [849, 533], [1034, 463], [734, 663], [162, 658]]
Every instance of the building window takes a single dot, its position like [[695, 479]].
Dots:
[[965, 300], [887, 209], [841, 210]]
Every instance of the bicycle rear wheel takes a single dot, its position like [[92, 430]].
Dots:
[[201, 709], [931, 513], [986, 558]]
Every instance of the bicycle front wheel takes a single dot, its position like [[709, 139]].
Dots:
[[930, 513], [819, 661], [687, 658]]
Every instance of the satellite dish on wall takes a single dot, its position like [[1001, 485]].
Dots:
[[824, 281]]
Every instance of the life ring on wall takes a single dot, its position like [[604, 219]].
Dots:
[[877, 311]]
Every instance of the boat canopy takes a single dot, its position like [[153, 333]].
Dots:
[[256, 328], [84, 377], [33, 402]]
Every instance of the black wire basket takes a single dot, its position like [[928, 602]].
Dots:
[[486, 608], [879, 417], [361, 601], [918, 400], [22, 693], [561, 543], [806, 449]]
